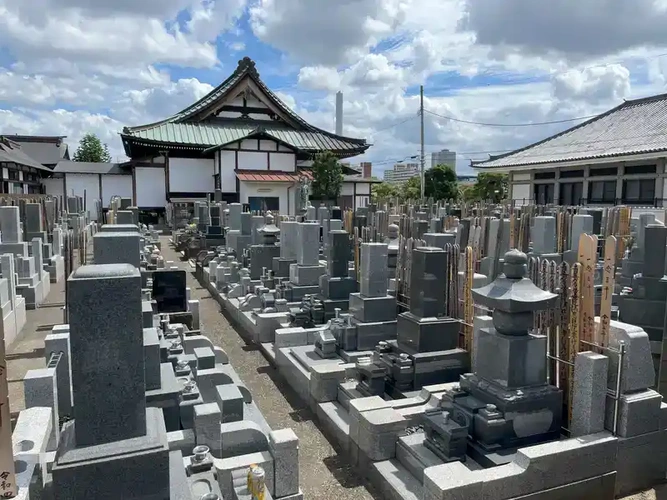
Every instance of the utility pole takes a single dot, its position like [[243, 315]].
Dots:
[[422, 157]]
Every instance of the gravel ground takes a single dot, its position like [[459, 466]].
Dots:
[[323, 473]]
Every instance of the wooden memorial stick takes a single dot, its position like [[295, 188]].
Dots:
[[588, 259], [8, 488], [623, 230], [543, 283], [468, 302], [574, 329], [560, 219], [512, 230], [522, 224], [607, 290], [563, 319], [552, 322]]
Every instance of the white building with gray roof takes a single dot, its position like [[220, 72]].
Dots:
[[617, 157]]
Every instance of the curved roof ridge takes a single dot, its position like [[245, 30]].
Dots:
[[246, 67]]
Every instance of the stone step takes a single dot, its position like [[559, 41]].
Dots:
[[395, 481]]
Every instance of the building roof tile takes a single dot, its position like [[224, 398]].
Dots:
[[253, 176], [11, 152], [191, 127], [635, 127], [85, 167]]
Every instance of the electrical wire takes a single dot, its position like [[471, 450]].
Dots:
[[396, 124], [534, 124]]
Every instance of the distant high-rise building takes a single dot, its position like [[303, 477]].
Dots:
[[339, 113], [444, 157], [401, 172]]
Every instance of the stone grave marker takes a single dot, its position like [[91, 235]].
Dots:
[[169, 290]]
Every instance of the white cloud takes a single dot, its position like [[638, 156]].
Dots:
[[210, 16], [320, 78], [84, 66], [116, 33], [158, 103], [595, 85], [578, 29], [322, 31]]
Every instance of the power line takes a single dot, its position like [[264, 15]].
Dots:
[[396, 124], [604, 145], [451, 118]]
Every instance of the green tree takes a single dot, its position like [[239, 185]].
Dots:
[[383, 190], [411, 189], [492, 187], [440, 183], [327, 177], [467, 192], [92, 150]]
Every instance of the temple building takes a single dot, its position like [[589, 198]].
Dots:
[[618, 157], [21, 174], [242, 139]]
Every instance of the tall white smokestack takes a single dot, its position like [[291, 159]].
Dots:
[[339, 113]]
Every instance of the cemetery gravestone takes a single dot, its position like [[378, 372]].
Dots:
[[169, 291]]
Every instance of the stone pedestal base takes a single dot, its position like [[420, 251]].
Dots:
[[214, 240], [135, 468], [294, 293], [511, 361], [337, 288], [281, 266], [427, 334], [261, 256], [18, 249], [521, 416], [372, 309], [33, 295], [306, 275], [330, 307], [370, 335]]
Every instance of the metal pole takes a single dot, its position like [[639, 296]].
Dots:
[[619, 376], [422, 156]]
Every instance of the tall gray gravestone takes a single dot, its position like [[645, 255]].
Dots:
[[33, 222], [633, 263], [115, 447], [288, 235], [373, 309], [336, 286], [117, 248], [106, 336], [305, 273], [10, 225]]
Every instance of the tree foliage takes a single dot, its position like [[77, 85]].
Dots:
[[467, 192], [490, 186], [92, 150], [327, 177], [411, 189], [440, 183], [383, 191]]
